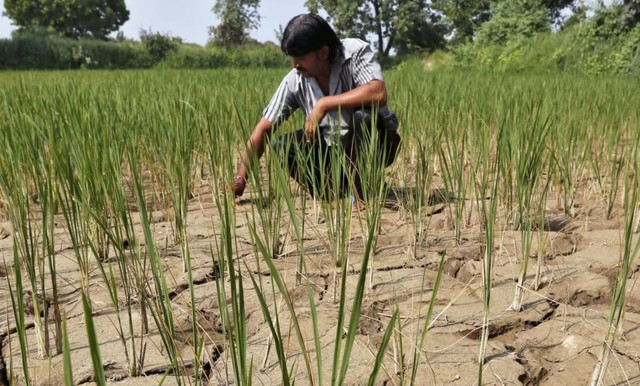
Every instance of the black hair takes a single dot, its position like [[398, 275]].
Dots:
[[309, 32]]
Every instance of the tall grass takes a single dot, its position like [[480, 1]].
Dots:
[[100, 155]]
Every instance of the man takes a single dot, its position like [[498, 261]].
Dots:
[[337, 83]]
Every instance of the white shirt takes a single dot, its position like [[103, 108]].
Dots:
[[355, 66]]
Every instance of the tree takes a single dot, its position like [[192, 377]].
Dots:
[[630, 13], [237, 18], [514, 18], [158, 45], [392, 23], [70, 18], [555, 8], [463, 18], [423, 33]]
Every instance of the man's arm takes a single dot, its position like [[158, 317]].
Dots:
[[373, 93], [253, 151]]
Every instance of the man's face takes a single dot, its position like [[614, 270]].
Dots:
[[311, 64]]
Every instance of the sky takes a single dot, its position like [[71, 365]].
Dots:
[[189, 19]]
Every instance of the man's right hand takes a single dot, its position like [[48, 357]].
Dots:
[[313, 120], [239, 184]]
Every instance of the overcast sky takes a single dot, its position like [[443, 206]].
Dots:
[[189, 19]]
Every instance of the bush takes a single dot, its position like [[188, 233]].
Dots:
[[215, 57], [193, 57], [159, 46], [595, 45], [110, 55], [31, 51], [34, 51]]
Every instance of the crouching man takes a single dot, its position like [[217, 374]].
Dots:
[[339, 86]]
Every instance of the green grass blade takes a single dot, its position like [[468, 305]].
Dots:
[[383, 347], [94, 345], [66, 356]]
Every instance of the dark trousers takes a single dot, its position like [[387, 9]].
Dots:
[[325, 170]]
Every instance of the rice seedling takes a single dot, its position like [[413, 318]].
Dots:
[[267, 211], [97, 163], [487, 184], [70, 192], [223, 249], [420, 198], [281, 284], [374, 189], [628, 254], [233, 321], [371, 167], [452, 158], [528, 150], [614, 152], [176, 141], [96, 359], [42, 174], [160, 303], [18, 307], [607, 136], [541, 217], [383, 347], [427, 324], [129, 276], [569, 156], [15, 186], [337, 209], [66, 355]]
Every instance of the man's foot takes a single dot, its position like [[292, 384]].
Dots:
[[392, 201], [358, 205]]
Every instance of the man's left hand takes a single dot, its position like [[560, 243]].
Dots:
[[239, 185]]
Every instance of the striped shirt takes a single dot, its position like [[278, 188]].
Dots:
[[354, 67]]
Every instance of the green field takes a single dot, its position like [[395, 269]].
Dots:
[[116, 217]]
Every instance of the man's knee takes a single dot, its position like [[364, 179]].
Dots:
[[387, 134], [361, 119]]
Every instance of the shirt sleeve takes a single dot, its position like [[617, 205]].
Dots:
[[282, 104], [365, 66]]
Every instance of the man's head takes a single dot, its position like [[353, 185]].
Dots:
[[307, 33]]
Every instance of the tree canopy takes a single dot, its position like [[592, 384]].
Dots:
[[630, 13], [237, 18], [463, 18], [514, 18], [70, 18], [393, 24]]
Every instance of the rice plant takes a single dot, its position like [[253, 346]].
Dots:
[[528, 149], [66, 352], [128, 276], [428, 322], [95, 164], [374, 189], [452, 158], [26, 253], [420, 199], [487, 185], [159, 303], [628, 255], [177, 128]]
